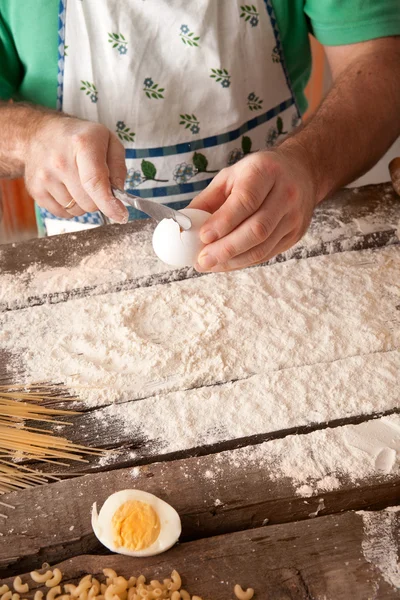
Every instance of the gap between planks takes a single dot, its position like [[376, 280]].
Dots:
[[101, 433], [125, 448], [10, 377], [231, 499], [368, 241], [323, 558]]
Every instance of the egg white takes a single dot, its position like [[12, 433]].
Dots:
[[170, 523]]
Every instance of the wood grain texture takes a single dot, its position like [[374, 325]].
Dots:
[[322, 558], [311, 558], [211, 494], [68, 249], [356, 207], [105, 428], [62, 250]]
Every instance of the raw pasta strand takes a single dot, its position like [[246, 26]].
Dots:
[[23, 442]]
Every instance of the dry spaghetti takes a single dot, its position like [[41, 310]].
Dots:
[[20, 442]]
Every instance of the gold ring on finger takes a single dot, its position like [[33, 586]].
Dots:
[[70, 204]]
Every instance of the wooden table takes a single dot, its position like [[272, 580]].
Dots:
[[259, 532]]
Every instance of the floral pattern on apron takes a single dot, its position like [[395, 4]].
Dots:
[[189, 87]]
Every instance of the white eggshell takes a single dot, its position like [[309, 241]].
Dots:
[[180, 248], [170, 523]]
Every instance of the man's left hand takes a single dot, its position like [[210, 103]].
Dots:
[[261, 206]]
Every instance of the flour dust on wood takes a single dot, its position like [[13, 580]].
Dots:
[[334, 227], [227, 355], [381, 542], [215, 329]]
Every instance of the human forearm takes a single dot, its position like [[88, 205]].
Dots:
[[18, 124], [263, 204], [358, 120]]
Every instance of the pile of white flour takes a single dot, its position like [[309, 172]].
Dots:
[[317, 462], [216, 329], [267, 349]]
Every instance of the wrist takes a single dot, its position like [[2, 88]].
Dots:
[[26, 124], [297, 152]]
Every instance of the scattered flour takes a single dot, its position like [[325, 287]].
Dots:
[[305, 491], [220, 328], [380, 544], [108, 459], [135, 472], [262, 404], [321, 461], [229, 356], [133, 258]]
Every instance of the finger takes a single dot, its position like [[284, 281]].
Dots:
[[49, 203], [249, 191], [116, 162], [94, 176], [61, 195], [251, 233], [215, 194], [258, 254], [285, 243], [77, 192]]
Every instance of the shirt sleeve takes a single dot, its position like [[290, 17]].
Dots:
[[339, 22], [11, 71]]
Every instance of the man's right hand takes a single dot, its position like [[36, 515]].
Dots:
[[69, 159]]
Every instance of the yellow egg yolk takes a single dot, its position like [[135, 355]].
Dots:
[[136, 525]]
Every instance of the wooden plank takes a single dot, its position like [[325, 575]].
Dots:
[[119, 426], [63, 250], [360, 242], [357, 210], [213, 494], [332, 291], [69, 249], [130, 449], [324, 558]]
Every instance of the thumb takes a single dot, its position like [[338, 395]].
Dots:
[[213, 197]]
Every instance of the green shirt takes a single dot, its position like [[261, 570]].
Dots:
[[29, 39]]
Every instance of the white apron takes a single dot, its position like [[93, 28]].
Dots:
[[188, 86]]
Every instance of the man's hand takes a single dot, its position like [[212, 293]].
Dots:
[[63, 159], [69, 159], [262, 205]]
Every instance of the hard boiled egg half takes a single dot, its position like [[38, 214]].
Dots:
[[136, 523]]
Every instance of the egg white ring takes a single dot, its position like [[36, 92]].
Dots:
[[169, 522]]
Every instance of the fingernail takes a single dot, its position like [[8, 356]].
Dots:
[[122, 216], [119, 183], [207, 261], [209, 236]]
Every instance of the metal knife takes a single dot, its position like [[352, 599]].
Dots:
[[153, 209]]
